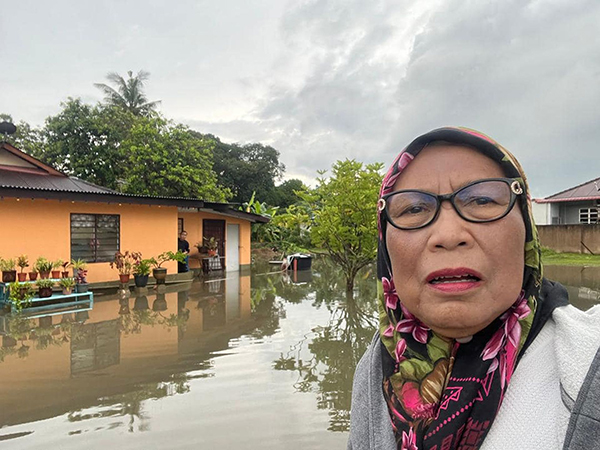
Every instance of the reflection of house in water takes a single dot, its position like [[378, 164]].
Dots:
[[116, 347], [97, 346]]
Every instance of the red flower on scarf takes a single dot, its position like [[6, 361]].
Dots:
[[504, 344], [403, 160], [410, 324], [409, 441], [389, 292], [389, 331], [400, 349], [414, 404]]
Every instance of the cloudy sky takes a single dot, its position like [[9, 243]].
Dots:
[[322, 80]]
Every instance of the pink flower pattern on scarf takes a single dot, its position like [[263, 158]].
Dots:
[[410, 324], [503, 347]]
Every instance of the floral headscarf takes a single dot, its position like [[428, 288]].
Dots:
[[443, 394]]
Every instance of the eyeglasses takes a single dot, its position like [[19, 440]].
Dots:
[[480, 201]]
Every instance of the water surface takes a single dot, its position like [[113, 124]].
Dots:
[[261, 361]]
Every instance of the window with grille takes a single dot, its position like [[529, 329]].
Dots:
[[588, 215], [94, 237]]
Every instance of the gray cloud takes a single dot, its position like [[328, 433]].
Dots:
[[322, 80]]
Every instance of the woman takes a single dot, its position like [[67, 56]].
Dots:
[[475, 348]]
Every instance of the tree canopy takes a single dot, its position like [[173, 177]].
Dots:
[[124, 144], [344, 217], [247, 169]]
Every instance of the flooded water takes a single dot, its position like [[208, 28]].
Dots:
[[261, 361]]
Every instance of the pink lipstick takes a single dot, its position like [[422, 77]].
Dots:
[[458, 279]]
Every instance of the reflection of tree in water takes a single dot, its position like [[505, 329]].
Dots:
[[131, 403], [266, 310], [20, 328], [337, 347]]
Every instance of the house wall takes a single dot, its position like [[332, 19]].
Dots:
[[541, 213], [568, 238], [43, 228], [572, 210], [192, 223]]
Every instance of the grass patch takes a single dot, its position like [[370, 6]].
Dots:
[[552, 258]]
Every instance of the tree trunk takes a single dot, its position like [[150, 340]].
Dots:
[[350, 282]]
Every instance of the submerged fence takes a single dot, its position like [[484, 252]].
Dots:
[[571, 238]]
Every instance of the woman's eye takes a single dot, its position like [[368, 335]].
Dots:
[[480, 201], [413, 210]]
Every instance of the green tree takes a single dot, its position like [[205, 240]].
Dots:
[[166, 159], [128, 94], [85, 141], [344, 216], [285, 194], [246, 169], [26, 138]]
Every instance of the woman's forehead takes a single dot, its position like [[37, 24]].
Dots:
[[446, 165]]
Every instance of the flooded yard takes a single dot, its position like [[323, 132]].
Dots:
[[257, 361]]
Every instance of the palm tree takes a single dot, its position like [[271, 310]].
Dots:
[[128, 94]]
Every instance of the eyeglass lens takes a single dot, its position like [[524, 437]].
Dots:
[[479, 202]]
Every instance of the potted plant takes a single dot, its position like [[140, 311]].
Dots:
[[124, 263], [78, 264], [20, 295], [43, 267], [55, 268], [212, 245], [33, 274], [65, 265], [44, 287], [141, 272], [81, 284], [9, 274], [67, 285], [22, 262], [159, 272]]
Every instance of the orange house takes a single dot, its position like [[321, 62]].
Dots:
[[44, 212]]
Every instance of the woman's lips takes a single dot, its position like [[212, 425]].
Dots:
[[458, 279]]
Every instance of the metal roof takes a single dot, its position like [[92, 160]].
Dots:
[[590, 190], [23, 180], [49, 184]]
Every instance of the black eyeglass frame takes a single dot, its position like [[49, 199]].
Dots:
[[514, 185]]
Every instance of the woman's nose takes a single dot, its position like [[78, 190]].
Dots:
[[449, 230]]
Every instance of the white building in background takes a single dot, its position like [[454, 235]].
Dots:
[[574, 206]]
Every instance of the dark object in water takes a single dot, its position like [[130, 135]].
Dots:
[[299, 261]]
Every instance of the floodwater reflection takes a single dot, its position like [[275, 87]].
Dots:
[[217, 362], [248, 361]]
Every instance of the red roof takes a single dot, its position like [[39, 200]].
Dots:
[[590, 190]]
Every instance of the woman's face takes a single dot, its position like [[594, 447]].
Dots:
[[450, 247]]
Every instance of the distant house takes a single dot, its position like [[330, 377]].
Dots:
[[44, 212], [574, 206]]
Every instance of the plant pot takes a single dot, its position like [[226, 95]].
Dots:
[[22, 276], [160, 304], [56, 274], [9, 276], [212, 253], [67, 291], [65, 274], [141, 280], [160, 274], [82, 288], [44, 275], [124, 278], [33, 276], [141, 303], [45, 292]]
